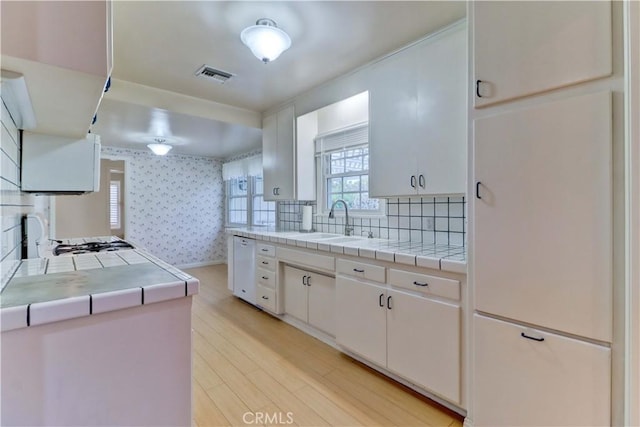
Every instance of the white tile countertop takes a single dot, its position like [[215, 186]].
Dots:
[[439, 257], [46, 290]]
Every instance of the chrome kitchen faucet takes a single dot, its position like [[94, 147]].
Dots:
[[347, 229]]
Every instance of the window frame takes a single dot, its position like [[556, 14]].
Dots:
[[118, 225], [323, 175], [249, 197]]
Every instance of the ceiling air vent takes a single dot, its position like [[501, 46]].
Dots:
[[211, 73]]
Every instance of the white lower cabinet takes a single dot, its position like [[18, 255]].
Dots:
[[526, 377], [412, 336], [310, 297], [361, 317], [423, 343]]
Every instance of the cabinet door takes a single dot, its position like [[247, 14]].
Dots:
[[441, 144], [521, 382], [244, 269], [322, 302], [423, 343], [543, 222], [295, 292], [285, 185], [270, 155], [392, 126], [361, 319], [527, 47]]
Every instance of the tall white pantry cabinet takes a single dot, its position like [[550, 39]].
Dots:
[[542, 200]]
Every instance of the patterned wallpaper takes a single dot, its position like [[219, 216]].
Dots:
[[176, 205]]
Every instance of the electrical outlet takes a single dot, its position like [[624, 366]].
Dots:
[[428, 225]]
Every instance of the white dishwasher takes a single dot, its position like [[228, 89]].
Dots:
[[244, 269]]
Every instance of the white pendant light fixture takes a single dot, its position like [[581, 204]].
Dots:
[[265, 40], [159, 147]]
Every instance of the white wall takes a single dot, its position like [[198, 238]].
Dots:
[[175, 205], [86, 215]]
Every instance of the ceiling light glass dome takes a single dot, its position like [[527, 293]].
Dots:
[[265, 40]]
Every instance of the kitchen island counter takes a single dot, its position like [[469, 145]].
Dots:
[[97, 339], [59, 288]]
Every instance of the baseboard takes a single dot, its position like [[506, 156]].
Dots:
[[201, 264]]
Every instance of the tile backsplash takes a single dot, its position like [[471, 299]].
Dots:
[[13, 203], [439, 220]]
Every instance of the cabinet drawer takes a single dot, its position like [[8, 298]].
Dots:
[[266, 278], [362, 270], [305, 258], [549, 380], [428, 285], [266, 250], [266, 298], [266, 263]]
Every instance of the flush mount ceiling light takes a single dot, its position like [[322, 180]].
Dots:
[[265, 40], [159, 147]]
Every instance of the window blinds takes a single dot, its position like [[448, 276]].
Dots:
[[354, 135], [250, 166], [114, 204]]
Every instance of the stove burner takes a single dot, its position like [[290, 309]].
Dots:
[[84, 248]]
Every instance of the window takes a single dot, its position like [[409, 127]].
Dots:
[[344, 167], [237, 201], [115, 205], [245, 203], [263, 213]]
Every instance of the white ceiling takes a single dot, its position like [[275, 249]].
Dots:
[[160, 44]]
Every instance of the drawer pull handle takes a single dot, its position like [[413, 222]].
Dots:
[[264, 250], [478, 88], [523, 335], [265, 262], [380, 300], [358, 270], [421, 284], [263, 297], [265, 277]]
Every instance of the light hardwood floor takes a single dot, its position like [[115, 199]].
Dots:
[[252, 369]]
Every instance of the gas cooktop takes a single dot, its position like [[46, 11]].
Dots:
[[88, 247]]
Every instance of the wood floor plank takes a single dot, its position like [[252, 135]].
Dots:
[[205, 411], [334, 414], [302, 414], [231, 406], [203, 373]]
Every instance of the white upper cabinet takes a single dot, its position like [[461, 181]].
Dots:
[[417, 125], [527, 47], [278, 147], [64, 50], [288, 172], [543, 215]]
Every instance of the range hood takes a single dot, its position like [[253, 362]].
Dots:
[[58, 165]]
